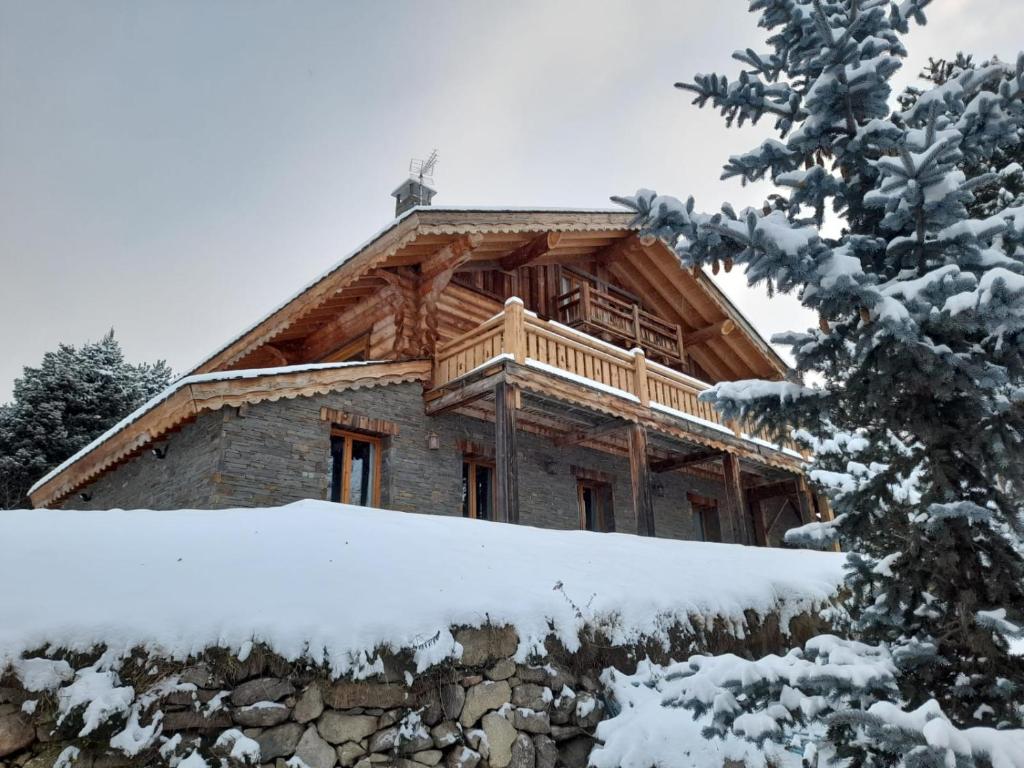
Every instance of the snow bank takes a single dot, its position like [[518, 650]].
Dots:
[[332, 581]]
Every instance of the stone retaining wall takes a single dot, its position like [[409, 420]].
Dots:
[[485, 711]]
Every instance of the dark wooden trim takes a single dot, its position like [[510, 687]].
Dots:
[[354, 421], [506, 454], [582, 473], [685, 460], [640, 480], [472, 451]]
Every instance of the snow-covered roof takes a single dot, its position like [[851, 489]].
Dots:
[[142, 578], [183, 383]]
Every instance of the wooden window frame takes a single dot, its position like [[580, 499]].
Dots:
[[346, 463], [601, 493], [473, 462]]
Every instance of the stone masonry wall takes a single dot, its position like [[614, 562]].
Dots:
[[483, 710], [181, 480], [274, 453]]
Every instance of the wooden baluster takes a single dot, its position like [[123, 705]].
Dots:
[[636, 326], [515, 329], [584, 302]]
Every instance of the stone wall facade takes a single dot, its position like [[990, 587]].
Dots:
[[274, 453]]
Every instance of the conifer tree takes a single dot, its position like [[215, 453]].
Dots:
[[918, 422], [71, 398]]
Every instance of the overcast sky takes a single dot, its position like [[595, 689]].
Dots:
[[175, 169]]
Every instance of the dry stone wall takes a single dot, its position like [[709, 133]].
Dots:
[[487, 710]]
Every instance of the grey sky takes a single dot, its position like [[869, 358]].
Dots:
[[174, 170]]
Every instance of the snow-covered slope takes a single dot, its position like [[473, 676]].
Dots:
[[333, 581]]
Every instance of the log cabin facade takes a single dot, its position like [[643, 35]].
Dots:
[[534, 366]]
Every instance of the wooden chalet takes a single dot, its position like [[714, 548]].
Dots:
[[562, 328]]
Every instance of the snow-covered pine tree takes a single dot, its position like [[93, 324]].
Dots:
[[72, 397], [918, 422], [1006, 161]]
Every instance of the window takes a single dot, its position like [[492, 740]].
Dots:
[[706, 523], [595, 504], [355, 468], [478, 489]]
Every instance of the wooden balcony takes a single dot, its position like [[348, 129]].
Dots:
[[621, 321], [619, 380]]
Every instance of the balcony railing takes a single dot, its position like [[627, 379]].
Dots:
[[601, 313], [520, 335]]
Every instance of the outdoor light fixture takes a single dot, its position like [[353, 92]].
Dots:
[[433, 441], [161, 453], [85, 496]]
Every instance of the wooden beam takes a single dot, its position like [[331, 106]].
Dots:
[[533, 250], [436, 272], [804, 502], [590, 433], [506, 454], [772, 490], [640, 480], [621, 247], [708, 332], [462, 395], [735, 505], [760, 528], [685, 460]]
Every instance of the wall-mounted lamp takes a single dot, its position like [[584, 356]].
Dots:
[[658, 489], [85, 496], [550, 466], [161, 451], [433, 441]]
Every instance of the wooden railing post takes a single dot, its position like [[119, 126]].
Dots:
[[585, 302], [636, 325], [641, 384], [515, 329]]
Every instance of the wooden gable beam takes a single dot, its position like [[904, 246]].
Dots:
[[533, 250], [685, 460], [622, 247], [435, 273], [709, 332]]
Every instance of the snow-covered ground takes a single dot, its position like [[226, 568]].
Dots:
[[333, 581]]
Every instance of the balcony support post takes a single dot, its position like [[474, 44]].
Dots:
[[640, 479], [515, 329], [734, 501], [506, 454]]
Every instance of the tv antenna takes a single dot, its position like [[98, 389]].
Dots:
[[423, 170]]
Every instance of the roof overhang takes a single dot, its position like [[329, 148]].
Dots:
[[423, 228]]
